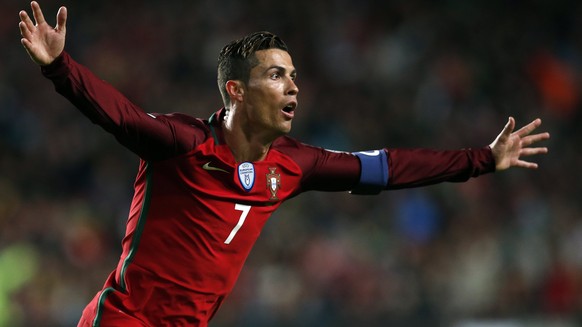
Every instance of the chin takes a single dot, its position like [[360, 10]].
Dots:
[[286, 129], [276, 129]]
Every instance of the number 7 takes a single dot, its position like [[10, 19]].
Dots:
[[245, 211]]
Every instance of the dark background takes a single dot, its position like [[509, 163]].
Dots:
[[501, 250]]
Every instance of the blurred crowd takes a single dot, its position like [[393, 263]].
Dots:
[[500, 250]]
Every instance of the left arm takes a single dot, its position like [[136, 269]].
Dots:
[[372, 171], [420, 167]]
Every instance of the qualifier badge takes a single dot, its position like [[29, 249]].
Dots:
[[246, 175]]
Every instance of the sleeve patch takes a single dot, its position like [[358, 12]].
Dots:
[[374, 172]]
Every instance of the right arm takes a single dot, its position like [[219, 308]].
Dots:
[[149, 137]]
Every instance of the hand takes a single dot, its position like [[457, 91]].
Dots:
[[508, 147], [42, 42]]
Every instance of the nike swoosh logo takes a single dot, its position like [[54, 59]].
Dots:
[[207, 166]]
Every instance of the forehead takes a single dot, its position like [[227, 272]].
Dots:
[[273, 58]]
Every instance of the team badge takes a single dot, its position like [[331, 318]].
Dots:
[[273, 183], [246, 175]]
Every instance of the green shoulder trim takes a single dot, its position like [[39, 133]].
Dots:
[[210, 123]]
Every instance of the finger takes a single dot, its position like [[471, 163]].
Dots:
[[525, 130], [24, 31], [530, 139], [26, 20], [508, 128], [37, 13], [526, 164], [533, 151], [61, 19], [26, 43]]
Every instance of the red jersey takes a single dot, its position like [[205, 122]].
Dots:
[[196, 212]]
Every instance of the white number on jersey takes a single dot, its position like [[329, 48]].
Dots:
[[244, 213]]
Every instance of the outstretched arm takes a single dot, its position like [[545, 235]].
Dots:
[[372, 172], [42, 42], [419, 167], [509, 147], [150, 138]]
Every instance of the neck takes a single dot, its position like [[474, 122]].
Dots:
[[244, 143]]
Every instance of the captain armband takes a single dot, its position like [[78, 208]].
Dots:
[[374, 172]]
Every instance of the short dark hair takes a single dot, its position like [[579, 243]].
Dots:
[[237, 58]]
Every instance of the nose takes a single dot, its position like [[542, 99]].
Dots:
[[292, 89]]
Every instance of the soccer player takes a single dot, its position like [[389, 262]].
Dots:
[[205, 187]]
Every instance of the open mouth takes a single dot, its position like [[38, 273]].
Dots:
[[289, 109]]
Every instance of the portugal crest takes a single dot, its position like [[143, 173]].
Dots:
[[273, 183]]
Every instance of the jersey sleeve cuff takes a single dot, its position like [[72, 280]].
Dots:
[[56, 68]]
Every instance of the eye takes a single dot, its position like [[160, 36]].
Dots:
[[275, 75]]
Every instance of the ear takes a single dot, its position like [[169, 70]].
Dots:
[[235, 90]]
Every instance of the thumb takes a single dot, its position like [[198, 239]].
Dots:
[[508, 129], [61, 20]]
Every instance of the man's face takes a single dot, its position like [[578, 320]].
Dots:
[[271, 93]]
